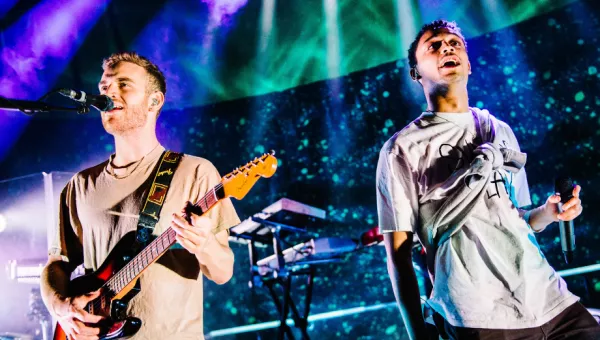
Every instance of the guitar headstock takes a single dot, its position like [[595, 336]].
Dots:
[[239, 182]]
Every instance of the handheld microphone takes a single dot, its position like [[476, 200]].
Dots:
[[101, 102], [564, 186]]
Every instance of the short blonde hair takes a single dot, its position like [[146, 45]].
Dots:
[[156, 78]]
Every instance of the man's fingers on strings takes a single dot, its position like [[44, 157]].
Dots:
[[194, 236], [86, 330], [180, 221], [185, 243], [87, 317]]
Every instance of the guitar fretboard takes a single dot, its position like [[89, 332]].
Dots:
[[157, 247]]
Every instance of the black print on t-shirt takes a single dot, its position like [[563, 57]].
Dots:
[[453, 157], [498, 178]]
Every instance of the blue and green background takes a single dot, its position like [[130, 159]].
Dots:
[[324, 83]]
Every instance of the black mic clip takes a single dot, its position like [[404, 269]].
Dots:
[[100, 102]]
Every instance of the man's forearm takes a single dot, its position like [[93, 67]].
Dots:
[[537, 218], [216, 263], [53, 284], [406, 291]]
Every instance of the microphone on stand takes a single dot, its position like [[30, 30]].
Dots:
[[564, 186], [100, 102]]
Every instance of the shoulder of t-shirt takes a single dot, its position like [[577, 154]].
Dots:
[[89, 173], [500, 121], [401, 139], [201, 166], [493, 117]]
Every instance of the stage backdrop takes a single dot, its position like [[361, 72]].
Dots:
[[540, 76]]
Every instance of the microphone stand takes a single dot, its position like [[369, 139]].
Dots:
[[29, 107]]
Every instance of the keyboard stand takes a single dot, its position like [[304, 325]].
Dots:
[[283, 277], [258, 231], [285, 303]]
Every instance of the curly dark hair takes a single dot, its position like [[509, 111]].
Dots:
[[434, 26]]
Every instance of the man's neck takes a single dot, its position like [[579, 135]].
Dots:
[[133, 146], [448, 99]]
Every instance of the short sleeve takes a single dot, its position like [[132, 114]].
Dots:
[[521, 187], [223, 213], [68, 236], [397, 198]]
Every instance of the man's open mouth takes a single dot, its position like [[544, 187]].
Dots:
[[450, 63], [116, 109]]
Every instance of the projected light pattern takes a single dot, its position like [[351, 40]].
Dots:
[[216, 50], [189, 50], [38, 47], [406, 16], [221, 10], [333, 38], [545, 88], [265, 45], [368, 36], [35, 51], [3, 223]]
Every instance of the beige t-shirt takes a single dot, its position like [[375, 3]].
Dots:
[[97, 209]]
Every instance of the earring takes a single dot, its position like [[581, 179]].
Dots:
[[416, 75]]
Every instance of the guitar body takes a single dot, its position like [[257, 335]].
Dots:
[[114, 308]]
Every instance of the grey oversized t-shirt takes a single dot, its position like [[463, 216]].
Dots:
[[490, 273]]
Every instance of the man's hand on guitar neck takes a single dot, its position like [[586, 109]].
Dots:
[[73, 318], [212, 251]]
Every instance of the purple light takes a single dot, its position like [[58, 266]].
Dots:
[[172, 45], [6, 5], [220, 10], [185, 40], [37, 48]]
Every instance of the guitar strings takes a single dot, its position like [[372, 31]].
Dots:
[[168, 233]]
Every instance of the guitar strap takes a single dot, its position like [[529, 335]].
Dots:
[[155, 198]]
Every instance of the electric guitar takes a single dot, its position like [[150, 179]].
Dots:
[[118, 275]]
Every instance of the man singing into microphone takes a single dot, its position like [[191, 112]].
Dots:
[[101, 204], [455, 177]]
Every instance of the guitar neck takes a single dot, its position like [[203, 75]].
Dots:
[[151, 253]]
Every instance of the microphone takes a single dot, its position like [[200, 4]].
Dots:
[[564, 186], [101, 102]]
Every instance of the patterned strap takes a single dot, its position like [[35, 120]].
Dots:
[[163, 174]]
